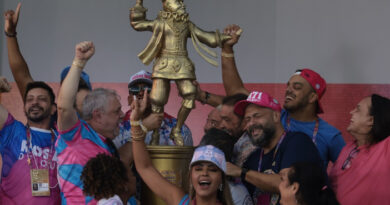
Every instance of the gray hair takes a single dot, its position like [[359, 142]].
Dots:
[[98, 99]]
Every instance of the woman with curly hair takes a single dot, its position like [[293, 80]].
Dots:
[[207, 170], [105, 178]]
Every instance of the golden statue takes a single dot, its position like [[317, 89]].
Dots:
[[167, 46]]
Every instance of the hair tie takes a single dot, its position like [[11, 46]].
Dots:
[[324, 187]]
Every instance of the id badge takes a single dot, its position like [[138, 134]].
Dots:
[[40, 182]]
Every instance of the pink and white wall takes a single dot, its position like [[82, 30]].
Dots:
[[347, 42]]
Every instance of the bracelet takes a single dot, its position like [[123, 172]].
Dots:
[[137, 134], [78, 64], [11, 35], [144, 128], [139, 123], [138, 138], [135, 123], [227, 55]]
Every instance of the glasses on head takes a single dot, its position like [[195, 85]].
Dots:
[[347, 163], [136, 89]]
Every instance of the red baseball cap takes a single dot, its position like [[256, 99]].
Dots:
[[316, 82], [262, 99]]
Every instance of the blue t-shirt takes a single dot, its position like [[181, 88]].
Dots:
[[295, 147], [328, 139], [17, 151]]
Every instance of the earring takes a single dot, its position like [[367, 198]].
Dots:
[[220, 187]]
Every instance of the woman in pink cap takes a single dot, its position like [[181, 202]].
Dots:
[[208, 183]]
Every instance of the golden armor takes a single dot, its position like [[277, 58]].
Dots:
[[167, 47]]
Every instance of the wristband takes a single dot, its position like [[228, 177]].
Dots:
[[243, 174], [78, 64], [11, 35], [227, 55]]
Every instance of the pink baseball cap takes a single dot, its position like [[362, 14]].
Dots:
[[140, 77], [262, 99], [316, 82]]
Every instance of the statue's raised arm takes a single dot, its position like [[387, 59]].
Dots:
[[168, 48]]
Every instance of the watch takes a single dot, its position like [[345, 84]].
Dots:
[[243, 174]]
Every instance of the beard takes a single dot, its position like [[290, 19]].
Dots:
[[298, 105], [262, 139], [37, 118]]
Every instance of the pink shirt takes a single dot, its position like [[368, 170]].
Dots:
[[367, 180]]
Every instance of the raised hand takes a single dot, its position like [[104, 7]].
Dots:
[[84, 51], [234, 31], [138, 107], [4, 85], [11, 20]]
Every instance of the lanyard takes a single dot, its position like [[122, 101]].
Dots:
[[276, 150], [29, 148], [315, 131]]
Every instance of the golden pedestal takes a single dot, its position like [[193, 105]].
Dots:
[[173, 164]]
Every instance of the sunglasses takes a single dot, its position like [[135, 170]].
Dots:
[[348, 161], [136, 89]]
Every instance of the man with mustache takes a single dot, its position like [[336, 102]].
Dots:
[[29, 174], [278, 148], [19, 68], [301, 105]]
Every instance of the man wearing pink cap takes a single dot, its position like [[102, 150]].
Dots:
[[278, 148], [301, 104]]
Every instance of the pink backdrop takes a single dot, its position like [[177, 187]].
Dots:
[[338, 101]]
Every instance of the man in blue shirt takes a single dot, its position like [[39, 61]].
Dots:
[[278, 148], [301, 104]]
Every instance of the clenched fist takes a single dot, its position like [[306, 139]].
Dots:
[[4, 85], [84, 51]]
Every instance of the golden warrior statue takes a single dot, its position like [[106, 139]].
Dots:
[[167, 46]]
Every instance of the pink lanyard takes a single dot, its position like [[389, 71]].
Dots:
[[315, 131], [276, 150]]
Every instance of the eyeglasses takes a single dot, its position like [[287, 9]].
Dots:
[[137, 88], [352, 154]]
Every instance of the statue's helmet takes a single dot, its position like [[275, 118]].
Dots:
[[174, 6]]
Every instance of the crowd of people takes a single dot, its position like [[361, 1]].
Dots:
[[81, 148]]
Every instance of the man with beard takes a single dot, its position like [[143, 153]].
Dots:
[[19, 68], [29, 173], [213, 119], [234, 125], [278, 148], [301, 105]]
